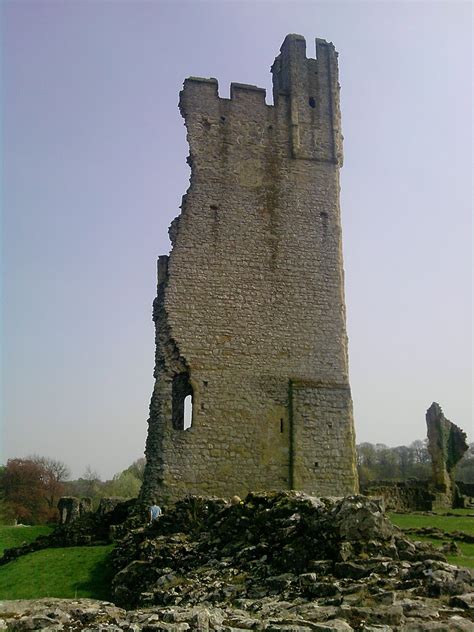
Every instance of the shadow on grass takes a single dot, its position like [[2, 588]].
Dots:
[[98, 584]]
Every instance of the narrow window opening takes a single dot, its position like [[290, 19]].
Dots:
[[188, 412], [316, 464], [182, 407], [281, 425], [312, 102]]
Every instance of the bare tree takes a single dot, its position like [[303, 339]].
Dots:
[[56, 473], [92, 481]]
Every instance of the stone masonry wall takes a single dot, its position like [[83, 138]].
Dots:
[[250, 314]]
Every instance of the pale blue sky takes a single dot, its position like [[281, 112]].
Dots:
[[94, 167]]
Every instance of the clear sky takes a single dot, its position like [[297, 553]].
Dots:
[[94, 167]]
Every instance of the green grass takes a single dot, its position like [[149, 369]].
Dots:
[[16, 536], [446, 523], [458, 512], [65, 573], [459, 522], [467, 550], [467, 557]]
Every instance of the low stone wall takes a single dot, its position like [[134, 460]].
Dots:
[[466, 489], [402, 495]]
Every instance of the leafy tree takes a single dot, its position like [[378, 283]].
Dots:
[[22, 485], [30, 489], [6, 512], [125, 485], [137, 468], [7, 515]]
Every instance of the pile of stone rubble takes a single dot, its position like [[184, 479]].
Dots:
[[277, 562]]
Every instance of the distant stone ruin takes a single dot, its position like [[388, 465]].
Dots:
[[79, 525], [71, 508], [411, 495], [446, 445], [252, 388]]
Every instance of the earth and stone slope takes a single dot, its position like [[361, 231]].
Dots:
[[278, 562]]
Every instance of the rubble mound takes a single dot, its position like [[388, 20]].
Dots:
[[288, 551]]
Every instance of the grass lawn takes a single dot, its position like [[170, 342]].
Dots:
[[16, 536], [67, 573], [460, 522], [446, 523], [458, 512], [467, 551], [467, 557]]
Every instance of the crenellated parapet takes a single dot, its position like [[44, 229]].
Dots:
[[305, 95], [201, 96]]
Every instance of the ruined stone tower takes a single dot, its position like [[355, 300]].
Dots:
[[250, 314]]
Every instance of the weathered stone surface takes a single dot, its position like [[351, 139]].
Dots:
[[71, 508], [446, 445], [250, 314], [275, 561], [465, 601], [59, 614], [409, 495], [277, 557]]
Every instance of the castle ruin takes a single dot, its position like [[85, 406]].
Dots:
[[446, 445], [252, 389]]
